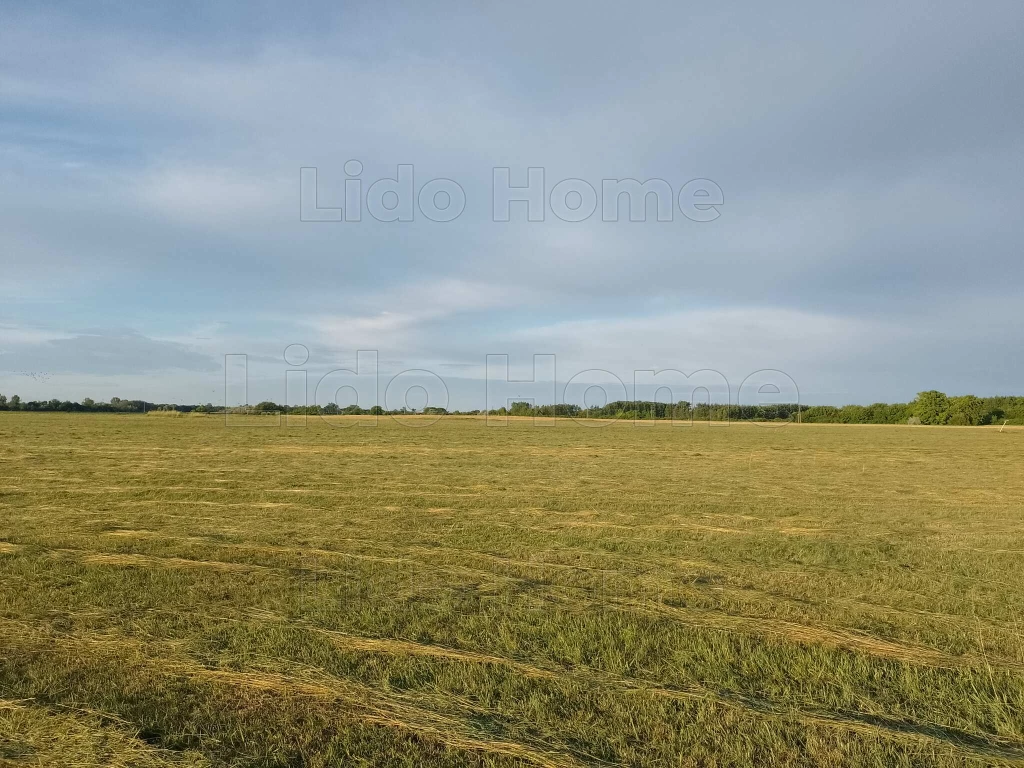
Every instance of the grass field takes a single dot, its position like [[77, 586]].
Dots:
[[177, 592]]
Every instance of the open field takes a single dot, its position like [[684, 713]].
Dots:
[[176, 592]]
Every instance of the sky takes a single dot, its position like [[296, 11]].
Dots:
[[865, 163]]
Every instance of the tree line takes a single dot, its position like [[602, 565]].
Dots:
[[930, 407]]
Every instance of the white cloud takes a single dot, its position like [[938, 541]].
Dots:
[[11, 335], [111, 352], [218, 197], [150, 179]]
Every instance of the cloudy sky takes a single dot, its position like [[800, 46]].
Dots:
[[870, 158]]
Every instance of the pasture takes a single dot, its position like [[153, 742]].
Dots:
[[178, 592]]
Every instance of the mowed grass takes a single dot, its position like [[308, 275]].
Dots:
[[178, 592]]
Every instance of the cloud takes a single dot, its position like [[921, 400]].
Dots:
[[212, 197], [407, 318], [151, 179], [110, 353]]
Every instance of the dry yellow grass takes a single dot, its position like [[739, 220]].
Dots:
[[184, 592]]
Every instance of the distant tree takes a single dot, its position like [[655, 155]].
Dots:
[[820, 414], [852, 414], [520, 408], [897, 413], [967, 411], [932, 407], [680, 411]]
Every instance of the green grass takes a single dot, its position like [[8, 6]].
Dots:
[[177, 592]]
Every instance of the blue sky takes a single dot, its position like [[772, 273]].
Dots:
[[870, 157]]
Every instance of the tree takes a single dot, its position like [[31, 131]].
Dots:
[[932, 407], [376, 411], [3, 401], [852, 414], [88, 402], [966, 411], [15, 402]]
